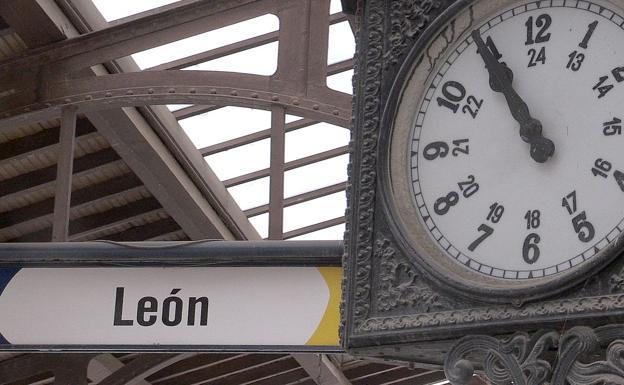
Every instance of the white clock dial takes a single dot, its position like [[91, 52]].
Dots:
[[479, 193]]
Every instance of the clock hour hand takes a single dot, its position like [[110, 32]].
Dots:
[[501, 81]]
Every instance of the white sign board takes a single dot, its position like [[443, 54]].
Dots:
[[170, 308]]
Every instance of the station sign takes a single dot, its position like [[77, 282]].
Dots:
[[170, 308]]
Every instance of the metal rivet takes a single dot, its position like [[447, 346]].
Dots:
[[88, 97], [193, 90], [315, 107], [213, 91], [171, 90], [129, 92], [274, 98], [233, 93], [150, 91], [254, 95], [68, 100], [336, 112], [295, 102], [108, 94]]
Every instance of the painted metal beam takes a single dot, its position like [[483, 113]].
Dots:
[[194, 253], [320, 368], [64, 173]]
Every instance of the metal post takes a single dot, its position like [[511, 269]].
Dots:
[[64, 171]]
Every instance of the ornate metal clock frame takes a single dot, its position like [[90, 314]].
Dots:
[[395, 308]]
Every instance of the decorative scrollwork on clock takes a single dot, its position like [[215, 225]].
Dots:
[[546, 357], [401, 286]]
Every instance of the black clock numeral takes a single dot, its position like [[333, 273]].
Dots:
[[569, 202], [444, 204], [487, 231], [496, 212], [533, 218], [576, 61], [536, 57], [472, 106], [454, 94], [461, 147], [576, 57], [590, 31], [469, 187], [602, 168], [613, 127], [583, 228], [542, 22], [530, 248], [492, 47], [603, 87], [435, 150]]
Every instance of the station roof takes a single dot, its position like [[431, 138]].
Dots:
[[274, 167]]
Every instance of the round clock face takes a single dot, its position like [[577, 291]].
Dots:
[[514, 145]]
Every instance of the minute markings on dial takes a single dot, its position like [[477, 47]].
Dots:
[[480, 259]]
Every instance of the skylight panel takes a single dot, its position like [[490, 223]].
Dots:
[[241, 160], [117, 9], [341, 43], [251, 194], [261, 223], [258, 61], [315, 176], [335, 6], [314, 139], [330, 233], [314, 211], [207, 41], [341, 82], [224, 124]]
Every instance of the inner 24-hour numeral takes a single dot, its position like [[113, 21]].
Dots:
[[602, 168], [604, 85], [454, 94]]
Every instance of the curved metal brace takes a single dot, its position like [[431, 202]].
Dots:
[[176, 87]]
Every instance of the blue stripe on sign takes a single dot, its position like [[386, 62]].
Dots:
[[5, 277]]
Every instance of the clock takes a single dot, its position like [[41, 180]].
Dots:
[[504, 158]]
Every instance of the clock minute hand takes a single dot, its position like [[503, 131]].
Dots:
[[530, 128]]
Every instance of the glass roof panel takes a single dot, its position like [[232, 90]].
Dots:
[[259, 61], [330, 233], [241, 160], [341, 43], [314, 211], [251, 194], [207, 41], [224, 124], [117, 9], [341, 82], [314, 139], [315, 176]]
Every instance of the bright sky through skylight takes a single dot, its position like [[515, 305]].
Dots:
[[232, 122]]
